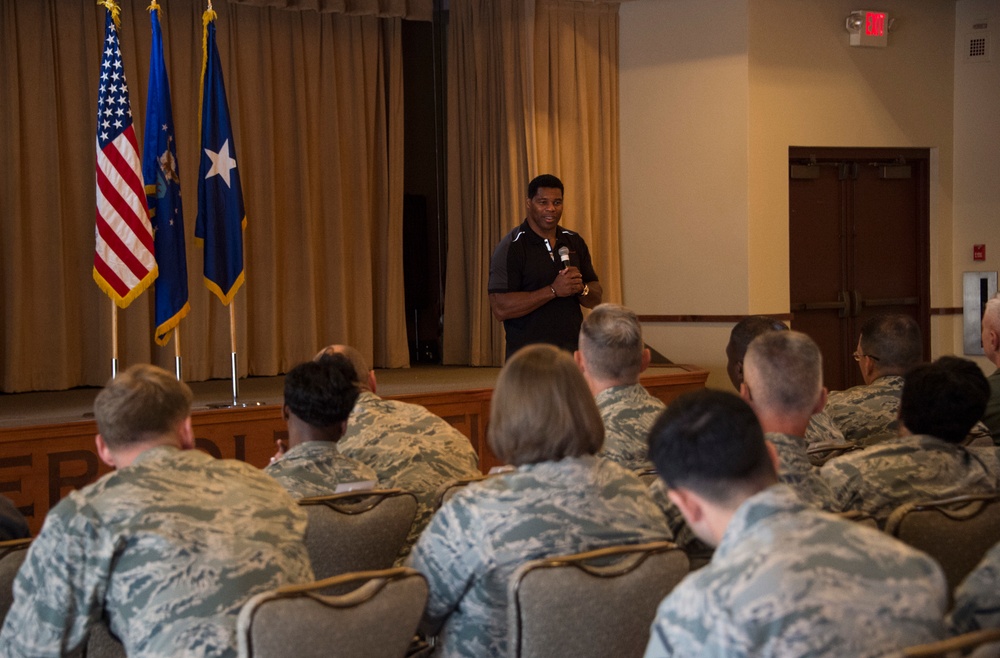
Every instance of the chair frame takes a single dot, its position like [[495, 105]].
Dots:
[[582, 561], [371, 583], [959, 644]]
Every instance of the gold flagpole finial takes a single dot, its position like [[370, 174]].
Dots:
[[115, 10], [153, 6]]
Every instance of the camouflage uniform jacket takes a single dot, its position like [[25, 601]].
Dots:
[[797, 471], [168, 548], [410, 448], [628, 413], [315, 468], [869, 413], [906, 469], [480, 536], [977, 599], [822, 430], [787, 580]]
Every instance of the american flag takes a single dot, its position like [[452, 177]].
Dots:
[[124, 265]]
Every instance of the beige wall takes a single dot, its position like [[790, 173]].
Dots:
[[684, 167], [977, 150], [704, 186]]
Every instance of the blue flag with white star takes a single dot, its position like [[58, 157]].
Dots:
[[163, 194], [221, 218]]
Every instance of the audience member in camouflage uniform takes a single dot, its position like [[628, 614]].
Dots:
[[889, 346], [783, 383], [991, 347], [561, 499], [786, 579], [406, 445], [977, 599], [611, 356], [167, 548], [318, 401], [940, 403], [821, 428]]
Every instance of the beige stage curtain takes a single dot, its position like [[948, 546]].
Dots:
[[533, 88], [316, 104]]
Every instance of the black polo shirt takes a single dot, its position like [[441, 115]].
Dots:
[[521, 263]]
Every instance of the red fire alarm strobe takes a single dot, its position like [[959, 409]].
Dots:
[[978, 252]]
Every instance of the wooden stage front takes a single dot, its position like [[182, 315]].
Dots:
[[42, 459]]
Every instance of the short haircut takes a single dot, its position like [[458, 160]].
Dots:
[[611, 341], [944, 399], [320, 394], [894, 340], [542, 409], [139, 405], [711, 443], [545, 180], [789, 371], [749, 328]]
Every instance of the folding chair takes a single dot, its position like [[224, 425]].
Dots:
[[599, 603], [376, 619], [956, 532], [979, 644], [12, 554], [451, 488], [357, 531]]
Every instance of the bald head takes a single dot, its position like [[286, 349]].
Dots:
[[991, 330], [364, 377]]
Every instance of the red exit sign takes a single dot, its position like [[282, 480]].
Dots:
[[875, 23]]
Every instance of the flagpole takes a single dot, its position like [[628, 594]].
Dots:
[[114, 340], [232, 341], [178, 368]]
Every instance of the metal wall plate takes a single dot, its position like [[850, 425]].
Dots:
[[977, 289]]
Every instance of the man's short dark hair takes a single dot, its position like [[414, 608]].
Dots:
[[944, 399], [749, 328], [711, 443], [319, 393], [545, 180], [893, 340]]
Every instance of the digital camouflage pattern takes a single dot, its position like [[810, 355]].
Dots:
[[628, 413], [991, 417], [882, 477], [409, 448], [169, 548], [977, 599], [682, 534], [787, 580], [822, 430], [477, 540], [795, 470], [867, 414], [315, 468]]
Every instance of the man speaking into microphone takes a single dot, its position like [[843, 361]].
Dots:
[[540, 274]]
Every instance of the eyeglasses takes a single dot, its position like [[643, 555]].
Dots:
[[858, 356]]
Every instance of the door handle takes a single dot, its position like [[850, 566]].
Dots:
[[841, 306]]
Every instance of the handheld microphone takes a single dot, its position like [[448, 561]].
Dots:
[[564, 256]]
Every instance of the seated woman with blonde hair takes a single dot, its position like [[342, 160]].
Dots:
[[561, 499]]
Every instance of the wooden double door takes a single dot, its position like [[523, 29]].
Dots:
[[858, 246]]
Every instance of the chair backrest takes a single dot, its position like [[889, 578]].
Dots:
[[978, 644], [357, 531], [599, 603], [451, 488], [12, 554], [824, 451], [646, 475], [376, 619], [956, 532], [857, 516], [101, 643]]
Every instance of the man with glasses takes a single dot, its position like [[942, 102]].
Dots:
[[889, 346]]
